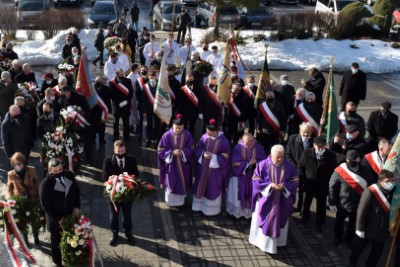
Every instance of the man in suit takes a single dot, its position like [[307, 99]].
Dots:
[[381, 123], [353, 86], [116, 165], [60, 197], [296, 144], [121, 93], [316, 84], [48, 121], [49, 96], [316, 166]]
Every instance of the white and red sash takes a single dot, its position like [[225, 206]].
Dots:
[[374, 161], [141, 83], [213, 96], [343, 121], [120, 87], [354, 180], [234, 108], [192, 97], [380, 197], [249, 92], [57, 91], [271, 118], [149, 95], [306, 117]]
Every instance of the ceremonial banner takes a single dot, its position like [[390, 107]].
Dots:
[[224, 82], [332, 126], [162, 104], [392, 163], [263, 83]]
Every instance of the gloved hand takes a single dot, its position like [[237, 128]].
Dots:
[[360, 234], [201, 116], [123, 104], [332, 208]]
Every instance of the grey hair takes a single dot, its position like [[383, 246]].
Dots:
[[302, 91], [305, 124], [310, 94], [276, 149], [62, 80], [383, 142], [54, 162]]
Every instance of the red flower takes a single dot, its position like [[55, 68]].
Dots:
[[150, 186]]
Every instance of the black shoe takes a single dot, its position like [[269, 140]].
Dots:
[[94, 63], [320, 227], [103, 142], [113, 240], [101, 64], [131, 239], [336, 242]]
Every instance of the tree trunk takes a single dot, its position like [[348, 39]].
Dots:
[[216, 24]]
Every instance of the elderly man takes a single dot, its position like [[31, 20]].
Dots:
[[353, 86], [286, 90], [212, 155], [296, 144], [14, 134], [15, 69], [382, 123], [48, 122], [245, 157], [316, 166], [7, 93], [10, 53], [316, 84], [26, 75], [112, 65], [175, 151], [308, 111], [67, 47], [74, 53], [350, 140], [375, 160], [274, 188], [62, 82], [150, 49]]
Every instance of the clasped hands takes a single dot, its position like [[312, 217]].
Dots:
[[177, 152], [277, 187], [207, 155]]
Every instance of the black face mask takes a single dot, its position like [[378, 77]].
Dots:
[[120, 156], [47, 113], [143, 73], [17, 117], [98, 84], [270, 100], [352, 112], [9, 50], [58, 175], [205, 48], [352, 163], [189, 83], [171, 76]]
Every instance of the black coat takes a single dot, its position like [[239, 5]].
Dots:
[[316, 173], [21, 78], [139, 92], [286, 93], [371, 218], [117, 96], [342, 195], [67, 50], [207, 107], [111, 167], [379, 127], [147, 105], [358, 144], [183, 20], [57, 204], [316, 85], [99, 40], [96, 112], [353, 87], [279, 111], [39, 107], [135, 13], [45, 125], [53, 83], [314, 110], [294, 148], [16, 137], [356, 120], [185, 106], [242, 102], [7, 95], [76, 99]]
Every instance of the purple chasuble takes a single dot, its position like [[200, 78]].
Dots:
[[177, 174], [210, 182], [241, 156], [274, 210]]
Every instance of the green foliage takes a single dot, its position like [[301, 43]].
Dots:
[[395, 45], [383, 10], [349, 18]]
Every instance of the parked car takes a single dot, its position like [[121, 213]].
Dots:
[[31, 11], [205, 13], [67, 2], [267, 2], [308, 2], [102, 13], [162, 15], [255, 17], [332, 6]]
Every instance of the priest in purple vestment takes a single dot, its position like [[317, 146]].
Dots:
[[212, 157], [245, 157], [175, 152], [275, 182]]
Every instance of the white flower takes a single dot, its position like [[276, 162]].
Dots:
[[16, 220], [79, 252], [59, 129], [74, 244], [13, 212], [75, 238], [108, 187], [28, 213], [50, 144], [1, 222], [6, 209], [81, 242]]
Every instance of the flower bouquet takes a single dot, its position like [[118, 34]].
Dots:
[[110, 42], [78, 246], [65, 145], [125, 188], [71, 114], [28, 91], [203, 67], [67, 68]]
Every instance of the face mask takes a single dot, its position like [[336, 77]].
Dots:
[[250, 85], [354, 71], [47, 113], [192, 58], [143, 73], [19, 168], [114, 60], [97, 84], [17, 116], [8, 50], [352, 163], [285, 82], [233, 76], [189, 83], [48, 82], [58, 175], [270, 100], [205, 48], [349, 136], [299, 98], [52, 98], [153, 82], [320, 152], [158, 58], [74, 53], [120, 156], [69, 42], [388, 186], [352, 112]]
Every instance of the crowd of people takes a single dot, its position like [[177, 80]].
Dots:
[[258, 158]]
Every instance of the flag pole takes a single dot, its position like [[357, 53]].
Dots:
[[396, 232], [173, 16], [326, 98]]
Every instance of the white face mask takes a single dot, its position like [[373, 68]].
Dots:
[[349, 136], [52, 98], [388, 186], [48, 82], [19, 168], [354, 71], [285, 82], [320, 152], [152, 82], [250, 85]]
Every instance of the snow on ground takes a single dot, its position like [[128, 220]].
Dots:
[[373, 55]]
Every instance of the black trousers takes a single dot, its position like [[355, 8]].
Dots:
[[358, 248], [125, 121], [100, 128], [338, 228], [55, 240], [181, 34], [300, 194], [99, 56], [321, 206], [191, 120], [153, 127], [127, 217]]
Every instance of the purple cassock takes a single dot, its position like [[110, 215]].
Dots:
[[241, 156], [176, 175], [275, 209], [210, 182]]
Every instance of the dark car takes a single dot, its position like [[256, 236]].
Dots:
[[256, 17], [102, 13], [229, 16], [162, 15], [67, 2]]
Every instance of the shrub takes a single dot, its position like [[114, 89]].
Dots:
[[56, 20], [395, 45], [383, 10], [8, 22], [31, 34]]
